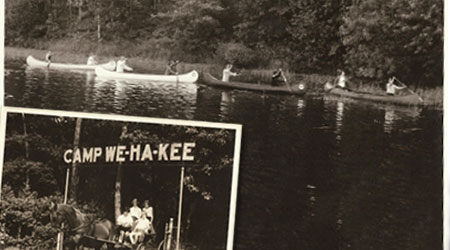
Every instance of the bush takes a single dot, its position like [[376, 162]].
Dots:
[[237, 54], [25, 221]]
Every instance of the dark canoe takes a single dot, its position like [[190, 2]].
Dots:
[[400, 100], [297, 89]]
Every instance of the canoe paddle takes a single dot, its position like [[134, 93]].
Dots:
[[285, 81], [412, 92]]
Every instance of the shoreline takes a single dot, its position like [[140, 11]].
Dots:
[[433, 97]]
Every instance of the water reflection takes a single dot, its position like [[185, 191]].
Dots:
[[395, 114], [362, 175], [339, 119], [389, 117], [300, 107], [227, 100]]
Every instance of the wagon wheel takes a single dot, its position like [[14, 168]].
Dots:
[[141, 246], [172, 245], [147, 243]]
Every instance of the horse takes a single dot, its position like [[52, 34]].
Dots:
[[84, 230]]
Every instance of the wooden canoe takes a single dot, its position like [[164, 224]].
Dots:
[[411, 99], [33, 62], [188, 77], [298, 89]]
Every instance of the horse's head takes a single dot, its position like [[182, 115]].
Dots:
[[56, 217]]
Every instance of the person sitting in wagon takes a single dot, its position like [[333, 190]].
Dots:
[[148, 211], [142, 227], [135, 210], [124, 223]]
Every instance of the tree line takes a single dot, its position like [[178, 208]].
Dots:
[[371, 39]]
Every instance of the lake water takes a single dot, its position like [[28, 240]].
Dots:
[[316, 172]]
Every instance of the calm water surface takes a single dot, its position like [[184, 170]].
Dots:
[[316, 173]]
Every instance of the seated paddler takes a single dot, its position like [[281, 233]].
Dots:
[[122, 65], [227, 73], [278, 77], [171, 68], [341, 81], [391, 88]]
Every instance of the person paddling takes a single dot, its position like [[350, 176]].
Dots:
[[91, 60], [278, 77], [122, 65], [171, 68], [391, 88], [341, 81], [227, 73], [48, 58]]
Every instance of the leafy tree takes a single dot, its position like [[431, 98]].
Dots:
[[24, 220], [264, 26], [400, 37], [193, 27], [315, 34], [18, 28]]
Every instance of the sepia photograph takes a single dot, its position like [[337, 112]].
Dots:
[[72, 181], [341, 104]]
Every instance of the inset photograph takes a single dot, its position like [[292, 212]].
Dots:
[[72, 180]]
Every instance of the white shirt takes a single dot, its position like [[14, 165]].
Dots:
[[135, 212], [122, 66], [143, 224], [91, 61], [125, 220], [226, 75], [148, 211], [341, 81], [391, 88]]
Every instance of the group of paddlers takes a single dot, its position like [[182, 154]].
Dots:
[[121, 64], [135, 223], [278, 77], [341, 81]]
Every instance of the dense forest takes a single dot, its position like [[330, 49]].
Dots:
[[371, 39], [34, 175]]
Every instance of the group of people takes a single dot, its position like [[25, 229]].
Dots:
[[278, 77], [121, 64], [341, 81], [135, 223]]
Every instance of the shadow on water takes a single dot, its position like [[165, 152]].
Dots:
[[316, 173]]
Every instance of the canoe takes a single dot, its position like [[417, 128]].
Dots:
[[188, 77], [411, 99], [33, 62], [297, 89]]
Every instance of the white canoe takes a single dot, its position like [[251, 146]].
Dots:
[[33, 62], [188, 77]]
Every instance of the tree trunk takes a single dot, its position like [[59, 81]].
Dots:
[[99, 36], [80, 11], [75, 179], [27, 152], [118, 183], [117, 190]]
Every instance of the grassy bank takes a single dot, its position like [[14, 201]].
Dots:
[[156, 65]]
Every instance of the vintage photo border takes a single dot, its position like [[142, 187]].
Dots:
[[446, 137], [2, 53], [149, 120]]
